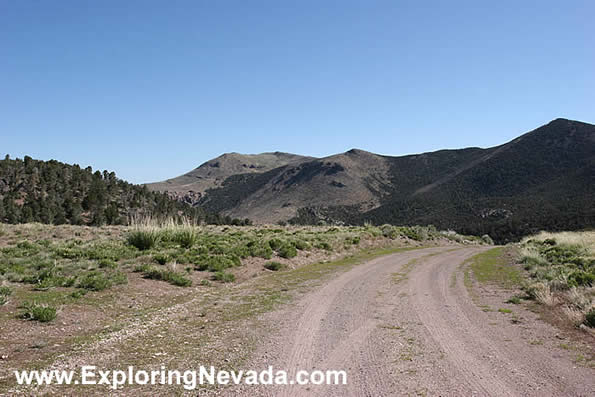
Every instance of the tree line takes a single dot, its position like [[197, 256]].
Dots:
[[57, 193]]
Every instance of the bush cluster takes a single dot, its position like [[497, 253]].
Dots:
[[38, 312]]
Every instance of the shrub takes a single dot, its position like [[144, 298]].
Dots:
[[168, 276], [142, 268], [276, 243], [590, 318], [105, 250], [389, 231], [143, 239], [204, 282], [261, 250], [274, 266], [416, 233], [176, 279], [530, 260], [95, 281], [119, 278], [352, 240], [185, 237], [5, 291], [561, 254], [515, 300], [216, 263], [107, 263], [287, 251], [225, 277], [486, 239], [78, 293], [162, 259], [324, 245], [580, 278], [301, 244], [37, 312], [4, 294], [68, 281]]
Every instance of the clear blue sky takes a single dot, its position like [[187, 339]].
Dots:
[[151, 89]]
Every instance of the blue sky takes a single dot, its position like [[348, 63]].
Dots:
[[151, 89]]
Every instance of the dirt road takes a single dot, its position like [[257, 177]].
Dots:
[[405, 324]]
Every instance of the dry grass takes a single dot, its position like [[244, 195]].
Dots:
[[583, 239], [562, 268], [575, 316], [544, 295]]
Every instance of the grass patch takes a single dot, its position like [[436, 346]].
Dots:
[[186, 237], [492, 267], [143, 239], [503, 310]]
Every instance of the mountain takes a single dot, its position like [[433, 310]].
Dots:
[[191, 186], [54, 192], [544, 179]]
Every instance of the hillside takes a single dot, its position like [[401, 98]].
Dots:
[[54, 192], [543, 179], [191, 186]]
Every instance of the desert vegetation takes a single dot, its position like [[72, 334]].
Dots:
[[561, 267], [53, 266]]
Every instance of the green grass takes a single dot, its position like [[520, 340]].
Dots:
[[492, 267], [503, 310], [143, 239], [186, 237]]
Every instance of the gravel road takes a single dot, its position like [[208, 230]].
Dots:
[[405, 324]]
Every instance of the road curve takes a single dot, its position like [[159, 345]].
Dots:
[[404, 325]]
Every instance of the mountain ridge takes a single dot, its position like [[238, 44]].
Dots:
[[444, 187]]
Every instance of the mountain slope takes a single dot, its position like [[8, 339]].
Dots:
[[354, 178], [543, 179], [191, 186]]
